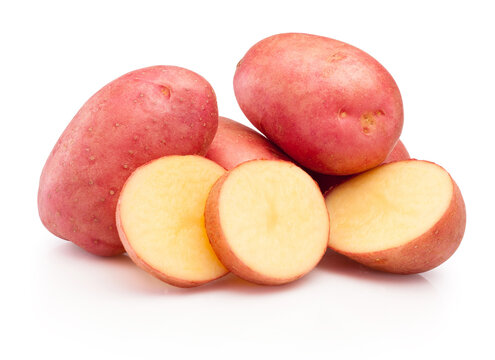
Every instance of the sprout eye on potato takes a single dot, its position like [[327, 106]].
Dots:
[[148, 167]]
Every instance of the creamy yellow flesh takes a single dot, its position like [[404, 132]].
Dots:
[[162, 209], [388, 206], [274, 218]]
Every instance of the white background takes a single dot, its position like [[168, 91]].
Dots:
[[60, 302]]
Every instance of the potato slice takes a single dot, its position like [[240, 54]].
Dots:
[[161, 223], [267, 221], [404, 217]]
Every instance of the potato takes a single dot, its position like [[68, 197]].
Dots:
[[328, 105], [404, 217], [267, 221], [160, 219], [143, 115], [235, 143], [399, 152]]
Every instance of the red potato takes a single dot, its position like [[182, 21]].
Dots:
[[235, 143], [399, 152], [161, 223], [328, 105], [404, 217], [267, 221], [143, 115]]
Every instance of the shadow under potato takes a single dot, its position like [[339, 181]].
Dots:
[[122, 273], [339, 264]]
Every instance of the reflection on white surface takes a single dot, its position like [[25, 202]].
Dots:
[[130, 279], [339, 302]]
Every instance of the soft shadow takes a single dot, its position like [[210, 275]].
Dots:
[[340, 265], [120, 273], [234, 284]]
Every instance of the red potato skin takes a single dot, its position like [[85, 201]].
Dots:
[[328, 105], [235, 143], [143, 115], [399, 152], [144, 265], [221, 246], [426, 251]]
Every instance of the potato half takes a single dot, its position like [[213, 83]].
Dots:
[[160, 219], [404, 217], [267, 221]]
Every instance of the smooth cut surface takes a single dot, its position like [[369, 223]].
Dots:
[[161, 213], [274, 218], [388, 206]]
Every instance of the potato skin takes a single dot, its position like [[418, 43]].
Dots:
[[427, 251], [328, 105], [143, 115], [235, 143], [399, 152]]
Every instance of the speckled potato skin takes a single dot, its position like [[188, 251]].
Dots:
[[235, 143], [328, 105], [143, 115], [399, 152], [425, 252]]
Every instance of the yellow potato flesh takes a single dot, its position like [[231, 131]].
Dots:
[[274, 218], [161, 211], [388, 206]]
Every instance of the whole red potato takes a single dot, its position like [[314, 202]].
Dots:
[[141, 116], [328, 105]]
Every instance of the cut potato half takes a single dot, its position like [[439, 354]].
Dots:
[[160, 219], [267, 221], [404, 217]]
